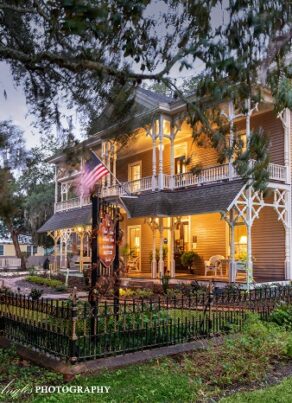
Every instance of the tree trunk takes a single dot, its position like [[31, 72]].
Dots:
[[18, 252]]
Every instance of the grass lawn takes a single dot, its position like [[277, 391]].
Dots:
[[200, 376], [281, 393]]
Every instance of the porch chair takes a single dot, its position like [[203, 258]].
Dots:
[[239, 266], [214, 264], [133, 263]]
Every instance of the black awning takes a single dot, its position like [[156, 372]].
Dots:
[[198, 200], [68, 219]]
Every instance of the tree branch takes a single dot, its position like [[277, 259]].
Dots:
[[275, 45], [74, 64]]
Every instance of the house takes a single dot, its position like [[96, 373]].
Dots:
[[212, 212], [26, 246]]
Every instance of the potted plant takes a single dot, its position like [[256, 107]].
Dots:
[[188, 260]]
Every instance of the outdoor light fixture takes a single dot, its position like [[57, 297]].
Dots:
[[243, 240]]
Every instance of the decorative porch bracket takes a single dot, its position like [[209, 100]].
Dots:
[[246, 208]]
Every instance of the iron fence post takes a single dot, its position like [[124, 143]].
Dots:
[[73, 336]]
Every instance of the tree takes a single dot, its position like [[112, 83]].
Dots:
[[37, 185], [87, 53], [11, 199]]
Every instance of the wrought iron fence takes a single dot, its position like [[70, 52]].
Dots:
[[76, 330]]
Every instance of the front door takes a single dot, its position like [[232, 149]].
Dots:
[[134, 242]]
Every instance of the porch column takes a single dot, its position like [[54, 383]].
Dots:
[[55, 269], [81, 235], [103, 156], [153, 162], [288, 257], [114, 164], [56, 188], [231, 139], [61, 248], [154, 261], [108, 162], [232, 276], [172, 167], [172, 261], [81, 194], [160, 164], [161, 261], [249, 207]]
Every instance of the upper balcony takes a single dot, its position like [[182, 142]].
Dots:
[[209, 175]]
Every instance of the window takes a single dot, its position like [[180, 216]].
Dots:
[[180, 153], [134, 175], [134, 237], [28, 250], [181, 236], [240, 241], [1, 250], [35, 249]]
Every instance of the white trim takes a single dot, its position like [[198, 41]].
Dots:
[[131, 164], [128, 241]]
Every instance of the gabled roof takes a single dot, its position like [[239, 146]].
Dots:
[[157, 97]]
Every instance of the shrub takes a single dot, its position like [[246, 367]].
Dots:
[[35, 294], [31, 271], [241, 359], [44, 281], [188, 259], [282, 315], [165, 283]]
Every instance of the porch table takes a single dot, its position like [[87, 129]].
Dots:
[[232, 271]]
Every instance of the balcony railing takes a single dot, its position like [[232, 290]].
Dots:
[[207, 175], [72, 203]]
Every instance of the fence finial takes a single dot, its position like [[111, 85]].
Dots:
[[74, 295]]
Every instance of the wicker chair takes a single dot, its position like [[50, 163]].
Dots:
[[214, 264]]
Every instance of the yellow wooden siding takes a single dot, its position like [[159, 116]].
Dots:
[[273, 127], [268, 246], [146, 240], [122, 164], [211, 235]]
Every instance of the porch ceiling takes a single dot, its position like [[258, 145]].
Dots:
[[68, 219], [199, 200]]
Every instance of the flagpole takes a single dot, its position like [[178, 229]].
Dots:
[[119, 183]]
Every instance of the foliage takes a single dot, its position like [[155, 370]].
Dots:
[[35, 294], [182, 378], [242, 359], [88, 54], [270, 394], [22, 374], [139, 292], [188, 259], [282, 315], [11, 199], [45, 281], [165, 283]]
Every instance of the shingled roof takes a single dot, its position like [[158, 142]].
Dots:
[[198, 200], [68, 219]]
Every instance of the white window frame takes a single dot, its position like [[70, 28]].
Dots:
[[128, 241]]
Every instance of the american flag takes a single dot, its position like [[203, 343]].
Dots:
[[93, 170]]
